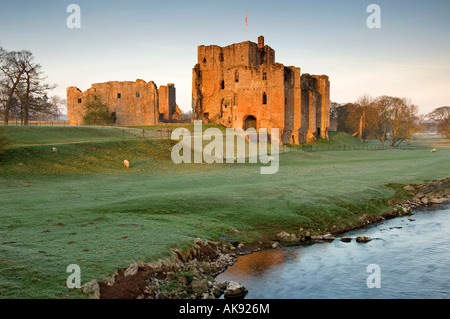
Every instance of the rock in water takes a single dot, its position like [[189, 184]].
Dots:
[[235, 290], [363, 239]]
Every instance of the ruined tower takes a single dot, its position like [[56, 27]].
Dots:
[[315, 107], [167, 102], [241, 86]]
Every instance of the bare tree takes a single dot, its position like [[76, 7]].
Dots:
[[362, 118], [56, 103], [381, 119], [402, 119], [186, 116], [32, 90], [22, 87], [12, 69], [338, 115], [441, 116]]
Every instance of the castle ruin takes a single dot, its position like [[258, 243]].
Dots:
[[241, 86], [130, 103]]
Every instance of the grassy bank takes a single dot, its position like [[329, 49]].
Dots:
[[80, 205]]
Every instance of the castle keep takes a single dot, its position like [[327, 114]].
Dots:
[[130, 103], [241, 86]]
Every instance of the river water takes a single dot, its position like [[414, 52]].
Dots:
[[412, 259]]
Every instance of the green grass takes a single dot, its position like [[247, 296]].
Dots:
[[31, 135], [80, 205], [189, 126], [338, 138]]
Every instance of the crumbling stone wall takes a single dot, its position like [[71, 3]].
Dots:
[[167, 103], [315, 107], [130, 103]]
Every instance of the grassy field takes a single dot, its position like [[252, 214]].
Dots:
[[189, 126], [81, 206]]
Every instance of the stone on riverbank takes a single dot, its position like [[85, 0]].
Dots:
[[235, 290], [199, 286], [327, 237], [92, 288], [132, 270]]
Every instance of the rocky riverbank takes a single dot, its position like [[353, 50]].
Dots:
[[191, 273]]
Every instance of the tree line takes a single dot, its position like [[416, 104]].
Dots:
[[23, 90], [385, 118]]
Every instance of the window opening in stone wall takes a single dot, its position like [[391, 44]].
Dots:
[[119, 95], [264, 98]]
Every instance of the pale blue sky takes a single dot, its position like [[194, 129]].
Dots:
[[157, 41]]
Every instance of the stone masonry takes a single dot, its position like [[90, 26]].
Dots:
[[241, 86], [130, 103]]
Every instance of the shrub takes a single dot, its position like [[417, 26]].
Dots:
[[97, 113]]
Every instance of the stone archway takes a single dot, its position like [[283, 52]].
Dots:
[[250, 121]]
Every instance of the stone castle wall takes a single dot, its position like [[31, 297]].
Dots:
[[130, 103], [167, 102], [242, 81], [315, 106]]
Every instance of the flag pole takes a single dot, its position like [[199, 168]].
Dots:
[[246, 25]]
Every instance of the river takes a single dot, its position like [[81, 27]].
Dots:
[[411, 258]]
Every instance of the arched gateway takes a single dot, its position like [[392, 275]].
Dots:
[[250, 121]]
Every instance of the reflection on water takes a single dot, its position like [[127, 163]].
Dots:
[[413, 255], [256, 264]]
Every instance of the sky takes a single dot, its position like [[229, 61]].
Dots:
[[408, 56]]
